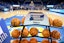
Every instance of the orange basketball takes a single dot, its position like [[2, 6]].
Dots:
[[57, 23], [15, 41], [23, 19], [33, 31], [25, 32], [24, 41], [33, 40], [45, 41], [15, 22], [54, 41], [15, 33], [51, 22], [46, 33], [55, 34]]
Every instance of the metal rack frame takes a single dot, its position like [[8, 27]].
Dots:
[[47, 27]]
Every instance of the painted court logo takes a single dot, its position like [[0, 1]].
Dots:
[[3, 35]]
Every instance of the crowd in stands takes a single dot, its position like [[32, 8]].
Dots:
[[29, 7]]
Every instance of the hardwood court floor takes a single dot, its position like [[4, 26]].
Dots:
[[25, 12]]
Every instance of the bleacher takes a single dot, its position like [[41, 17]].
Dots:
[[38, 4], [3, 6]]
